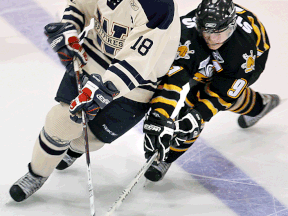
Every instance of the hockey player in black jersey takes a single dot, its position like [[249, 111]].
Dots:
[[222, 52], [124, 56]]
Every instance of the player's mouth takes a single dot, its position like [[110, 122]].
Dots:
[[214, 46]]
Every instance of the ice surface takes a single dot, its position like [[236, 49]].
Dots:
[[229, 171]]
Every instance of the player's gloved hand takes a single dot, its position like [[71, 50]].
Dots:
[[158, 131], [95, 95], [188, 127], [63, 39]]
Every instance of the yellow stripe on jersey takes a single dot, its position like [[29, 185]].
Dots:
[[256, 30], [252, 104], [164, 100], [190, 141], [239, 101], [259, 53], [199, 77], [243, 10], [178, 150], [163, 112], [213, 94], [259, 33], [208, 104], [170, 87], [266, 46], [247, 99]]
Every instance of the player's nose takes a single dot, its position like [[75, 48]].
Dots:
[[214, 37]]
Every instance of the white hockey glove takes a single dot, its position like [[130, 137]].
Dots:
[[63, 39], [187, 127], [158, 134], [94, 96]]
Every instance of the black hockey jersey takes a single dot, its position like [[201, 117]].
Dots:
[[217, 77]]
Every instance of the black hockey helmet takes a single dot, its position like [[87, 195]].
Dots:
[[215, 15]]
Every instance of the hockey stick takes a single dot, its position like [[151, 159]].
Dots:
[[129, 188], [85, 134]]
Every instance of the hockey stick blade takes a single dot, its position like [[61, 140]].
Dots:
[[129, 188]]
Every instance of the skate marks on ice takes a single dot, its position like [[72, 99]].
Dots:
[[180, 193], [227, 182]]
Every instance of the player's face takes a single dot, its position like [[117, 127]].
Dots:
[[216, 39]]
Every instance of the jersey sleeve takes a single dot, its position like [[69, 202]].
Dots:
[[262, 46], [260, 42], [227, 88], [79, 13], [168, 92], [137, 63], [218, 95], [184, 66]]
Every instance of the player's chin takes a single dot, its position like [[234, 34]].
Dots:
[[214, 46]]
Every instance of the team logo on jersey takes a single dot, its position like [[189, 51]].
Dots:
[[183, 51], [110, 35], [134, 6], [217, 56], [205, 71], [249, 65]]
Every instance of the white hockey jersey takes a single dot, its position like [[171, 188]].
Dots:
[[133, 42]]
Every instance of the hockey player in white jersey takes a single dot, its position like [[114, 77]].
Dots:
[[131, 47]]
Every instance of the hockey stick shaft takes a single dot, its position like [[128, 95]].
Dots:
[[85, 134], [129, 188]]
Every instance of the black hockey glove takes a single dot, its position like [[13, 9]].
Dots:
[[63, 39], [158, 134], [95, 95], [188, 127]]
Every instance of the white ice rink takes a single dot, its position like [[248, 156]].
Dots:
[[228, 171]]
